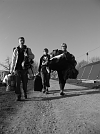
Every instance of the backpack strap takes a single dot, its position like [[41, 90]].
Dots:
[[25, 48]]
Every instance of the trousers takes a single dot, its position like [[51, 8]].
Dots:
[[45, 79], [21, 76], [62, 81]]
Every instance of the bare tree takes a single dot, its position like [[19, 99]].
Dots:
[[6, 65], [81, 64]]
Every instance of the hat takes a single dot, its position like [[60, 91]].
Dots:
[[64, 45]]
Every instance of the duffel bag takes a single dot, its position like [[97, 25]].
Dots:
[[38, 83]]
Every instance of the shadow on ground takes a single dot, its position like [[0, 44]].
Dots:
[[68, 93]]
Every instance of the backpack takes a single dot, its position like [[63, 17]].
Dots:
[[70, 59]]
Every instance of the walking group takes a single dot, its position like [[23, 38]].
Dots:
[[22, 58]]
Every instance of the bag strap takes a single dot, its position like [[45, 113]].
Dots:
[[25, 48]]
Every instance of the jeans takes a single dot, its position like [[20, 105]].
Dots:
[[21, 75], [45, 79]]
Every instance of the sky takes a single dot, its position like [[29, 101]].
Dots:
[[48, 23]]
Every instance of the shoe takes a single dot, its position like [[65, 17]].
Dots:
[[25, 96], [46, 92], [43, 91], [47, 89], [18, 99], [62, 93]]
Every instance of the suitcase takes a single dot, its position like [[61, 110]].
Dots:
[[38, 83]]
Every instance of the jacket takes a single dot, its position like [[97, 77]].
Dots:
[[44, 61], [15, 58], [68, 56]]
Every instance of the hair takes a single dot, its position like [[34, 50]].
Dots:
[[21, 38], [64, 44], [45, 49]]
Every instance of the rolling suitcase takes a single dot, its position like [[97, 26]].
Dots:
[[38, 83]]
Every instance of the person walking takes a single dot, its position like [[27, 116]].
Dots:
[[70, 59], [44, 70], [18, 68]]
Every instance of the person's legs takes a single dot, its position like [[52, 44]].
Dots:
[[43, 76], [47, 81], [24, 78], [61, 82], [18, 82]]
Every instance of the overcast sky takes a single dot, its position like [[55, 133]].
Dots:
[[48, 23]]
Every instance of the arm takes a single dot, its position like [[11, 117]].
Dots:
[[57, 57], [14, 60]]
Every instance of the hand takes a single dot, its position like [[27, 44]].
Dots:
[[25, 54], [23, 64], [52, 58], [38, 73], [11, 71], [45, 63]]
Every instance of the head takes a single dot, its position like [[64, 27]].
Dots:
[[45, 51], [21, 41], [64, 47]]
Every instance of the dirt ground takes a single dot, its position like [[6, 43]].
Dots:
[[78, 112]]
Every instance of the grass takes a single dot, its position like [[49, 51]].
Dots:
[[80, 83]]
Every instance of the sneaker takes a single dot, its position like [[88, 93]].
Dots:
[[18, 99], [47, 89], [62, 93], [46, 92], [43, 91]]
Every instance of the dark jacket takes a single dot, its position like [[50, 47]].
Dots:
[[70, 58], [44, 61]]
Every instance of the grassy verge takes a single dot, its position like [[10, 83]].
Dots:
[[80, 83]]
